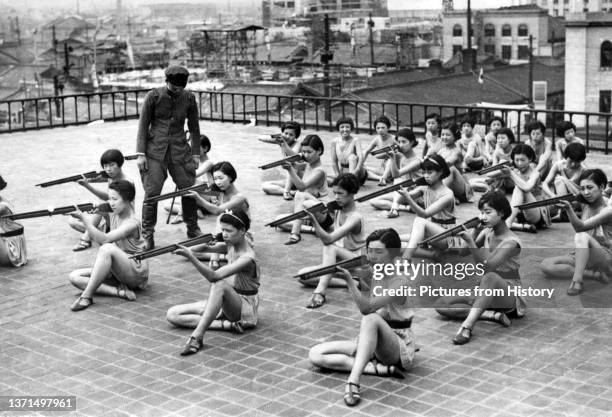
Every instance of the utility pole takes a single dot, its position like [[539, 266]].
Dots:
[[54, 45], [326, 57], [66, 61], [530, 90], [17, 30], [371, 26], [469, 37]]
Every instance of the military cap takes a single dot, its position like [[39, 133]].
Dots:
[[177, 75]]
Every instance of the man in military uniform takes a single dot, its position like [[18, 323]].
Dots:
[[162, 147]]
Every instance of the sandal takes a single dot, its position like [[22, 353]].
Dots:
[[392, 214], [352, 397], [293, 239], [82, 244], [287, 196], [463, 336], [382, 183], [81, 303], [316, 302], [124, 292], [193, 346], [502, 319], [575, 288]]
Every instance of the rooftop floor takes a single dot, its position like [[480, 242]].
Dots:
[[121, 358]]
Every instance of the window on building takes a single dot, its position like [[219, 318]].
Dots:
[[606, 54], [489, 29], [506, 52], [523, 52], [457, 49], [489, 49], [523, 30], [556, 13], [565, 1], [604, 101], [457, 31], [544, 3], [555, 1], [506, 30]]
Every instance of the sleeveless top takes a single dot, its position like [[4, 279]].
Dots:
[[245, 282], [503, 156], [601, 233], [404, 161], [244, 206], [133, 243], [446, 216], [352, 241], [343, 153], [319, 190], [509, 268], [539, 151], [398, 312], [446, 153], [432, 147]]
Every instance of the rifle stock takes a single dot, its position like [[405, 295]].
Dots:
[[42, 213], [548, 202], [273, 139], [331, 206], [87, 175], [473, 222], [202, 188], [347, 264], [390, 148], [206, 238], [130, 157], [293, 158], [390, 188], [494, 167]]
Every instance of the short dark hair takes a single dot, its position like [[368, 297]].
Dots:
[[295, 126], [124, 188], [345, 120], [315, 142], [2, 183], [497, 201], [407, 133], [227, 168], [596, 175], [237, 218], [537, 125], [523, 149], [389, 237], [347, 181], [575, 152], [508, 132], [496, 118], [382, 119], [454, 129], [469, 120], [434, 116], [564, 126], [112, 155], [436, 163], [205, 143]]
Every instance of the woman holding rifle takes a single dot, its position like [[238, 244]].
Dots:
[[114, 273], [385, 343]]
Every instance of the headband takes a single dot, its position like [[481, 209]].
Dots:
[[231, 213]]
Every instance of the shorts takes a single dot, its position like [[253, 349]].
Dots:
[[139, 272], [248, 311], [407, 348]]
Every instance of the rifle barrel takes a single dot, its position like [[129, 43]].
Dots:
[[382, 191], [169, 248], [177, 193], [474, 221], [493, 168], [54, 212], [347, 264], [90, 174], [547, 202], [298, 215], [292, 158], [389, 148]]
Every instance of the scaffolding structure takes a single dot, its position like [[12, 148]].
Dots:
[[224, 49]]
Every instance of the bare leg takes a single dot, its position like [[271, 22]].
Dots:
[[222, 297], [489, 281], [421, 229]]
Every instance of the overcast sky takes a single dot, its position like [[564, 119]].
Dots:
[[104, 4]]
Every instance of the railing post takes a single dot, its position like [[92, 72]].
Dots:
[[278, 103], [233, 108], [36, 109], [88, 108], [607, 134], [125, 104], [23, 115], [101, 112], [370, 117], [316, 114], [267, 111], [113, 100], [63, 111], [76, 109]]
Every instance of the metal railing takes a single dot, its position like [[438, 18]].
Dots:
[[317, 113]]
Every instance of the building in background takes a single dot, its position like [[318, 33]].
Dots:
[[588, 64], [504, 32], [560, 8], [337, 9]]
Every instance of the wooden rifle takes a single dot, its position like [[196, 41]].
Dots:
[[206, 238], [87, 207], [290, 159], [320, 207], [347, 264], [130, 157], [390, 148], [200, 188], [406, 183], [270, 138], [92, 175], [547, 202], [494, 167], [473, 222]]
